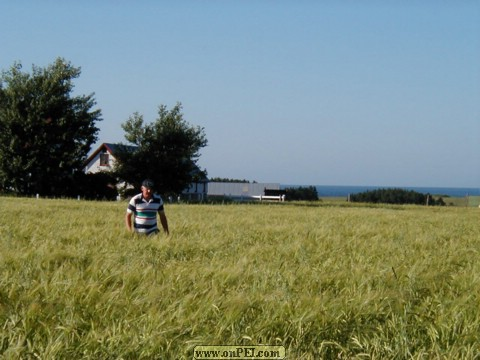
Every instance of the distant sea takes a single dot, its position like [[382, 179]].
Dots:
[[339, 191]]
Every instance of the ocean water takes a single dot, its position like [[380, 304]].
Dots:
[[339, 191]]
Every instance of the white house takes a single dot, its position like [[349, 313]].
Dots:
[[103, 159]]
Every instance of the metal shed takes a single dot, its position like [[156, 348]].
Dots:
[[239, 190]]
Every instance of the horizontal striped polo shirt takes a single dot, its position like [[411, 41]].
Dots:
[[145, 213]]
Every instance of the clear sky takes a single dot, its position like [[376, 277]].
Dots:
[[382, 93]]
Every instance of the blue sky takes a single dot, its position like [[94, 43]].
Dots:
[[383, 93]]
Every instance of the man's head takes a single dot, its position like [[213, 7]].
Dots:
[[147, 188]]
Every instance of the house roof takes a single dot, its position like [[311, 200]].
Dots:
[[111, 148]]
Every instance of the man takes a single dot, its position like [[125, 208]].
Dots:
[[145, 207]]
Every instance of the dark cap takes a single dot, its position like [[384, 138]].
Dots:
[[148, 183]]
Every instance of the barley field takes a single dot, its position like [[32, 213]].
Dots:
[[326, 281]]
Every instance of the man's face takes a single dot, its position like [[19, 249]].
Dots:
[[146, 192]]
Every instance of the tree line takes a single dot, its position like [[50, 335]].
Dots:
[[396, 196], [229, 180], [306, 193], [46, 134]]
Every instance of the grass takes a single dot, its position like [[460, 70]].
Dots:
[[333, 281]]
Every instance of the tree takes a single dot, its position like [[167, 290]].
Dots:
[[45, 132], [97, 186], [167, 151]]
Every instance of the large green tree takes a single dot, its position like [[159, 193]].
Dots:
[[45, 131], [167, 151]]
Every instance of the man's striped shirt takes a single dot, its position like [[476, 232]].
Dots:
[[145, 213]]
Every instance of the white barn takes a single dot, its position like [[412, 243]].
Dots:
[[240, 191]]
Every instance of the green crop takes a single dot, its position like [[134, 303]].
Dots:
[[325, 281]]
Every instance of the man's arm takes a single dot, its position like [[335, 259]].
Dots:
[[163, 221], [128, 221]]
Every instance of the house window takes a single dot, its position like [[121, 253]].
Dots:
[[104, 159]]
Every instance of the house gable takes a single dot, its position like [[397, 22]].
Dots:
[[103, 158]]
